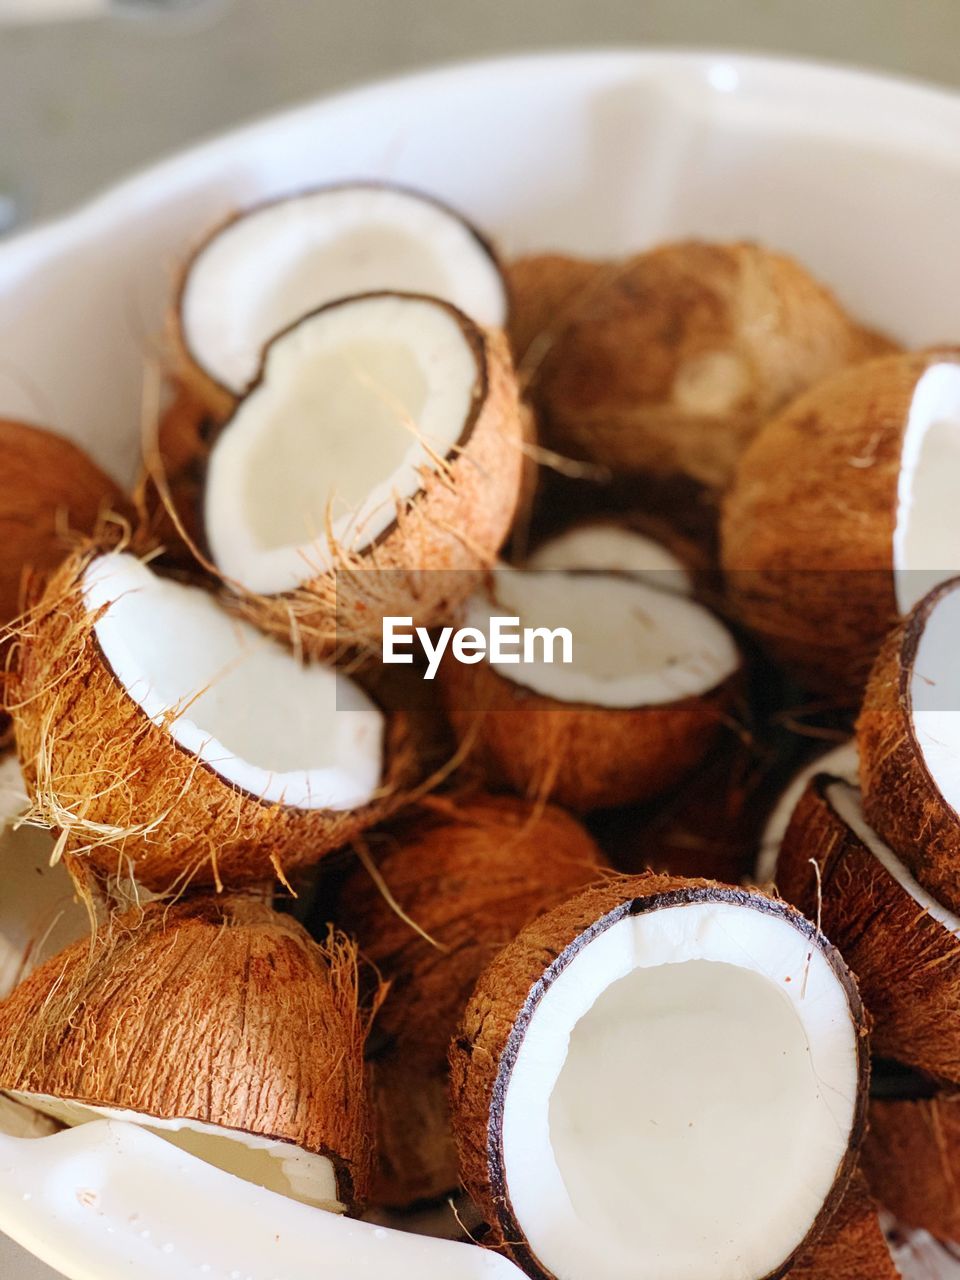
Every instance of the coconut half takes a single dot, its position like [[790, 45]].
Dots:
[[462, 883], [157, 730], [661, 1078], [909, 736], [268, 266], [841, 515], [903, 945], [215, 1023], [608, 546], [383, 435], [639, 706]]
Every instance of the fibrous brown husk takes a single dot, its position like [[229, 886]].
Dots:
[[171, 487], [669, 362], [470, 874], [906, 962], [506, 996], [217, 1010], [900, 798], [543, 288], [911, 1158], [808, 524], [125, 797], [853, 1246], [579, 756]]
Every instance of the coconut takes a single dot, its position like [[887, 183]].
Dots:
[[909, 736], [903, 945], [545, 288], [614, 546], [631, 1069], [160, 734], [853, 1245], [379, 455], [266, 267], [216, 1023], [643, 700], [671, 361], [842, 515], [469, 878], [840, 761], [170, 493], [912, 1159]]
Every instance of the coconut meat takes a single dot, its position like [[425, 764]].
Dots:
[[842, 761], [266, 1162], [935, 696], [926, 539], [353, 403], [271, 266], [682, 1098], [301, 735], [604, 546], [633, 645]]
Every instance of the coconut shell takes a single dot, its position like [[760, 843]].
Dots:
[[853, 1246], [171, 487], [470, 876], [807, 527], [911, 1158], [906, 962], [544, 289], [579, 756], [217, 1010], [126, 797], [424, 563], [507, 994], [672, 360], [900, 798]]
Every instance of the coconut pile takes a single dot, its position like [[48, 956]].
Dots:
[[641, 963]]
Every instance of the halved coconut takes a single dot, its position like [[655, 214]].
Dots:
[[840, 762], [632, 1070], [157, 731], [613, 546], [909, 736], [268, 266], [670, 361], [842, 515], [216, 1023], [853, 1245], [461, 884], [903, 945], [638, 707], [376, 461]]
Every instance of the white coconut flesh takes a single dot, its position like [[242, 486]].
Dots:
[[935, 696], [844, 799], [842, 761], [632, 645], [266, 1162], [353, 403], [682, 1099], [274, 264], [607, 547], [926, 539], [302, 735]]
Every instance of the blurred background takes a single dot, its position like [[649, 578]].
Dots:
[[90, 89]]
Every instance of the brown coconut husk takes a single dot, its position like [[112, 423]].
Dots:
[[907, 963], [469, 875], [217, 1010], [506, 996], [424, 563], [853, 1246], [544, 289], [579, 756], [900, 798], [807, 528], [125, 798], [911, 1158], [670, 361]]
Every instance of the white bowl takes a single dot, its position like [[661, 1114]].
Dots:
[[857, 175]]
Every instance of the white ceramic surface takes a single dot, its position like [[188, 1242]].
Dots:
[[598, 153]]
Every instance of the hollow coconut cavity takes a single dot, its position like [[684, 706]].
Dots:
[[678, 1094], [636, 707], [268, 266], [607, 547], [156, 728], [909, 738], [833, 866]]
